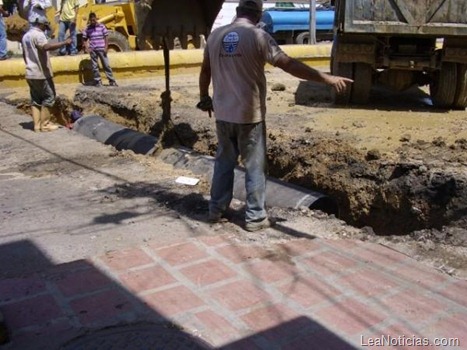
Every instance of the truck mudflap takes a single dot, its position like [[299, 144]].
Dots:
[[187, 20]]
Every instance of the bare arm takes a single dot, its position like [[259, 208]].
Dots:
[[86, 44], [53, 46], [205, 77], [76, 14], [3, 12], [302, 71]]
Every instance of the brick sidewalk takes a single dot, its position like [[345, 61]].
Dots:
[[335, 293]]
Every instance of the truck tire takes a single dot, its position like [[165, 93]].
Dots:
[[344, 70], [444, 85], [460, 101], [363, 78], [303, 38], [117, 42]]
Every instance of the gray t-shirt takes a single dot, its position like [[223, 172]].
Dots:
[[238, 53], [36, 58]]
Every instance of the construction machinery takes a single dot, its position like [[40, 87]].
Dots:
[[137, 25], [402, 43]]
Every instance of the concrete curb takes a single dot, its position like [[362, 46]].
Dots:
[[137, 64]]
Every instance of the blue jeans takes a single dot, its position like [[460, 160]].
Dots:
[[249, 142], [102, 56], [62, 28], [3, 50]]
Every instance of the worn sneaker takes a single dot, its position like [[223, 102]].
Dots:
[[215, 218], [98, 84], [113, 83], [253, 226]]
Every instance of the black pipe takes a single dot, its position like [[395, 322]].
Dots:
[[110, 133], [278, 193]]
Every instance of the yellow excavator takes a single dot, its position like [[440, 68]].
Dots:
[[137, 24]]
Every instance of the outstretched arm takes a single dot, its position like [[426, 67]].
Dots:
[[302, 71], [53, 46]]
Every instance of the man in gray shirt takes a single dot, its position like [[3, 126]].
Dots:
[[234, 58]]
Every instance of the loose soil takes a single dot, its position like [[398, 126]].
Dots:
[[396, 167]]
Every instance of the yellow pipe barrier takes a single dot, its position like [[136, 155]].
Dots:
[[140, 64]]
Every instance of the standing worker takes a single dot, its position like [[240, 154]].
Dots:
[[3, 43], [68, 15], [234, 57], [39, 73], [36, 9], [96, 44]]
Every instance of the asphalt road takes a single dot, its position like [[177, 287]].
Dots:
[[66, 197]]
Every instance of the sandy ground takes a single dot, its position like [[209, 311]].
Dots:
[[397, 167]]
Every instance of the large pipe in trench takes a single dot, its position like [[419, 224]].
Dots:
[[278, 193]]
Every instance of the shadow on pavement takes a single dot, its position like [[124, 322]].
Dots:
[[80, 305]]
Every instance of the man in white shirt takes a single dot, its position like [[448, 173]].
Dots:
[[39, 73]]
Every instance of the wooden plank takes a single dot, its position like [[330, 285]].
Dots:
[[438, 17], [405, 11]]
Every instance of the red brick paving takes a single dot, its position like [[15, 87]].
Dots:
[[242, 296], [82, 281], [350, 316], [208, 272], [126, 259], [29, 312], [239, 295], [16, 288], [100, 306], [181, 253], [146, 279], [170, 302], [309, 291]]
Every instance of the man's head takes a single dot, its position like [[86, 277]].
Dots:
[[92, 19], [42, 22], [252, 4], [251, 9]]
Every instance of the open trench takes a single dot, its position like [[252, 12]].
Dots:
[[423, 193]]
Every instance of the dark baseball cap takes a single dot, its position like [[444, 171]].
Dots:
[[42, 20], [251, 4]]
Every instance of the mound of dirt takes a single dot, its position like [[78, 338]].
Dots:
[[16, 27], [396, 167]]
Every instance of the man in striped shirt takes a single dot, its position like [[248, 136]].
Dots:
[[96, 44]]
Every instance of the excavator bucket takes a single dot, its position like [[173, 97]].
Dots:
[[188, 20], [17, 25]]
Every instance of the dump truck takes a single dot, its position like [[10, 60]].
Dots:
[[137, 25], [399, 44]]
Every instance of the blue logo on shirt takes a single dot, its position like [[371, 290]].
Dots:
[[230, 42]]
